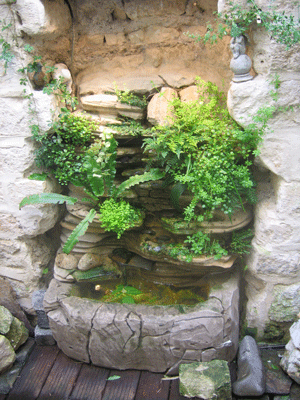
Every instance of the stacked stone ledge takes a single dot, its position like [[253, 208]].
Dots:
[[42, 331]]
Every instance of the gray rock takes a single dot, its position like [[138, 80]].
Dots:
[[37, 299], [43, 337], [42, 319], [7, 354], [206, 380], [251, 375]]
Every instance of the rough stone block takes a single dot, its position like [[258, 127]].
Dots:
[[42, 319], [206, 380], [43, 337], [37, 299]]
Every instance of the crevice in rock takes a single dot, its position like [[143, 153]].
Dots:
[[90, 333]]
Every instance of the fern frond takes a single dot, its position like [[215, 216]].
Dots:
[[47, 198], [176, 192], [153, 175], [80, 230]]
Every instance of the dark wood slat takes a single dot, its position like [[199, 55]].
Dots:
[[61, 379], [123, 388], [28, 386], [90, 383], [2, 396], [151, 386]]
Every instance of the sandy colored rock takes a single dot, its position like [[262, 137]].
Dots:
[[89, 261], [66, 261], [159, 111], [189, 94]]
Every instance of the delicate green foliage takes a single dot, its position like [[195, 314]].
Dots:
[[118, 216], [28, 48], [241, 242], [131, 128], [47, 198], [126, 97], [59, 150], [6, 54], [80, 230], [207, 152], [283, 28], [152, 175], [197, 245], [38, 176]]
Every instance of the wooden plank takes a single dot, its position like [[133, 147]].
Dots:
[[123, 388], [61, 379], [151, 386], [28, 386], [90, 383]]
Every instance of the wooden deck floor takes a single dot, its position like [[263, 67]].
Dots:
[[50, 375]]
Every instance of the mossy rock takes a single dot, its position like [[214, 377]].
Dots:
[[98, 273], [6, 319], [18, 333]]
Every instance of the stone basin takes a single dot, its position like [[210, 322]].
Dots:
[[154, 338]]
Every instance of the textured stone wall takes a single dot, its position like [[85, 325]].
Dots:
[[25, 249], [272, 278]]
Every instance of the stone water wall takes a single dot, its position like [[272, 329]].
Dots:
[[126, 42], [144, 46]]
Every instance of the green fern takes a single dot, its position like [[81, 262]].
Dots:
[[152, 175], [47, 198], [80, 230]]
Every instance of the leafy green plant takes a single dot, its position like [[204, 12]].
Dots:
[[241, 242], [131, 128], [237, 21], [118, 216], [61, 151], [197, 245], [126, 97], [207, 153]]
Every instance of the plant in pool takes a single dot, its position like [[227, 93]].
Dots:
[[195, 245]]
